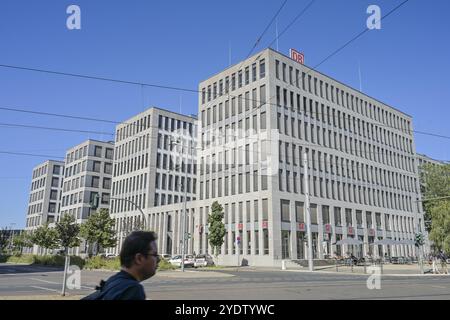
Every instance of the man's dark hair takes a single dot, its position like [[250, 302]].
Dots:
[[136, 242]]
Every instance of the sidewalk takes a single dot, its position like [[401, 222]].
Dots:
[[202, 273], [388, 270]]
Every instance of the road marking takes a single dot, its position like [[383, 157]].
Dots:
[[439, 287], [42, 288], [43, 280]]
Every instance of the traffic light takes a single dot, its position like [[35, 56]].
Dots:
[[419, 240]]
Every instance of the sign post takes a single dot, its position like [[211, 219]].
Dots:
[[238, 243]]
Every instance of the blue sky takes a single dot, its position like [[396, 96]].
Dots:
[[179, 43]]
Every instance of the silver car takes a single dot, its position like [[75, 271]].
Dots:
[[203, 260]]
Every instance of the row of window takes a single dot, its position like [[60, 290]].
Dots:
[[345, 217], [169, 162], [337, 95], [171, 124], [233, 131], [234, 213], [174, 144], [238, 80], [130, 203], [232, 185], [162, 199], [35, 208], [86, 197], [94, 150], [57, 170], [339, 166], [130, 184], [342, 191], [239, 106], [133, 146], [88, 165], [37, 184], [131, 165], [88, 181], [171, 182], [349, 124], [133, 128], [34, 221], [353, 146]]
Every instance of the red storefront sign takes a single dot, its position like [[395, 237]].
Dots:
[[297, 56], [350, 230], [328, 228], [240, 226], [265, 224], [301, 227]]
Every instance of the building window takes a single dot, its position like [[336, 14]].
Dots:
[[262, 69], [285, 215], [56, 170], [97, 151], [109, 153]]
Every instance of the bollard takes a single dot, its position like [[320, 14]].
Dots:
[[283, 265]]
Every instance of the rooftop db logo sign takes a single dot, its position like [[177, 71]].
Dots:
[[297, 56]]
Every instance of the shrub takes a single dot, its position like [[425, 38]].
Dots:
[[54, 261], [165, 265], [98, 262]]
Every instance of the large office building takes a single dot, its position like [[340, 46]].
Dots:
[[154, 166], [88, 174], [257, 120], [45, 195]]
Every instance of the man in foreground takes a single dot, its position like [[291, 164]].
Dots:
[[139, 259]]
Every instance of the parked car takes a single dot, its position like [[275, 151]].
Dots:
[[203, 260], [165, 256], [189, 260], [176, 261]]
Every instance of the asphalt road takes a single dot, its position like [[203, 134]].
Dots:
[[259, 284]]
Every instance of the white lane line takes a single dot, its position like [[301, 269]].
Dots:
[[42, 288], [90, 288], [45, 281], [439, 287]]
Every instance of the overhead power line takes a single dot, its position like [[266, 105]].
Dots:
[[293, 21], [142, 84], [357, 36]]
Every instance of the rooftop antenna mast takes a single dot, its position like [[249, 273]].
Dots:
[[276, 32], [360, 77]]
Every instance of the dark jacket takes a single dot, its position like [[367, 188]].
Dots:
[[121, 286]]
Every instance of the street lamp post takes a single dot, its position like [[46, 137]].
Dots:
[[184, 214], [139, 208]]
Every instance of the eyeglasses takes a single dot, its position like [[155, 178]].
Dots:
[[151, 254]]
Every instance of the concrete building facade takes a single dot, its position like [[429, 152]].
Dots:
[[257, 120], [45, 195], [154, 162], [88, 173]]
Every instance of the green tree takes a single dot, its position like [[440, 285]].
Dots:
[[216, 228], [67, 231], [23, 240], [4, 239], [98, 230], [435, 181], [45, 237], [440, 227]]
